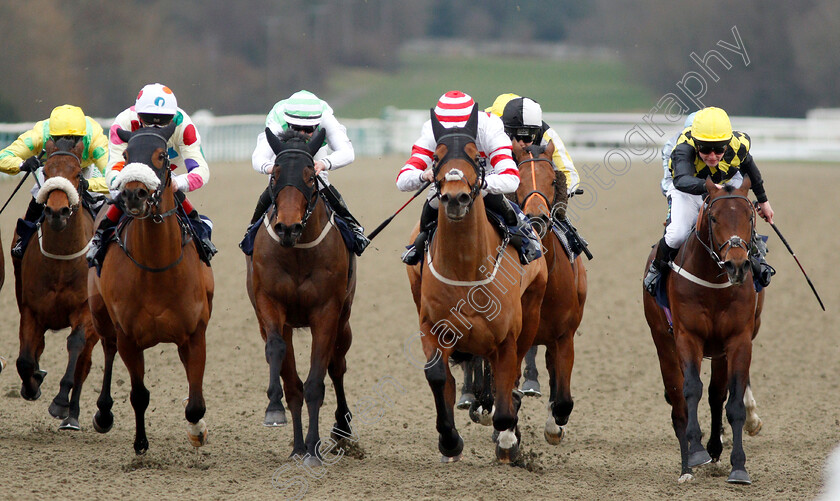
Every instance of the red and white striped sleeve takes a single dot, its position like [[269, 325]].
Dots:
[[502, 174], [422, 152]]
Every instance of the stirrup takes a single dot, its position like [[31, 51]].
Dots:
[[652, 279], [18, 250], [412, 256]]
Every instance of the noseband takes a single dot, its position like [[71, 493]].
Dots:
[[454, 150], [733, 241]]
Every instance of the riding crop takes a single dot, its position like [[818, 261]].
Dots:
[[797, 262], [387, 221], [16, 190]]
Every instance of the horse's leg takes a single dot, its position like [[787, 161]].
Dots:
[[134, 361], [561, 405], [738, 354], [468, 388], [531, 386], [481, 411], [505, 373], [80, 374], [60, 406], [31, 346], [337, 369], [324, 328], [294, 392], [753, 423], [442, 384], [691, 449], [275, 352], [103, 420], [717, 395], [193, 356]]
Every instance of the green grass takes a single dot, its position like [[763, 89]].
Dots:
[[559, 86]]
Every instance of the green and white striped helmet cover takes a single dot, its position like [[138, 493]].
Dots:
[[303, 108]]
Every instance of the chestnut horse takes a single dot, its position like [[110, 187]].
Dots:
[[50, 279], [712, 318], [541, 193], [474, 296], [301, 274], [154, 288]]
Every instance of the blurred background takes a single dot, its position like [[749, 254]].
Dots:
[[361, 56]]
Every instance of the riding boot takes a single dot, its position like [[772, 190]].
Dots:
[[33, 214], [263, 204], [522, 235], [428, 221], [99, 242], [659, 265], [340, 208], [207, 250]]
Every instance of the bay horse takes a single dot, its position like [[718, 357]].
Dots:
[[458, 310], [541, 194], [153, 288], [301, 274], [51, 279], [713, 319]]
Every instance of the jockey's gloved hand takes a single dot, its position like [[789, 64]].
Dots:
[[31, 164]]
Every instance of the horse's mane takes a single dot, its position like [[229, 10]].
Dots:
[[729, 188], [291, 136]]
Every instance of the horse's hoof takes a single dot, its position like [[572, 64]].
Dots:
[[275, 418], [59, 411], [739, 477], [753, 428], [141, 446], [312, 461], [554, 438], [98, 424], [507, 447], [699, 458], [453, 459], [482, 416], [531, 388], [197, 433], [685, 477], [2, 364], [454, 453], [70, 423], [465, 401]]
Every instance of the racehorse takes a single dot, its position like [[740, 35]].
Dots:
[[154, 288], [541, 194], [51, 278], [474, 296], [301, 274], [714, 319]]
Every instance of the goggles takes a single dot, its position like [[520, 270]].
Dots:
[[307, 129], [717, 148], [525, 134]]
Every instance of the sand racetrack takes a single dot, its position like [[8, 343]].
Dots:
[[619, 445]]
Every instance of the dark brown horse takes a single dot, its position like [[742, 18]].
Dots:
[[153, 288], [474, 296], [716, 313], [51, 279], [301, 274], [541, 194]]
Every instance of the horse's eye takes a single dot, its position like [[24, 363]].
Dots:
[[713, 219], [125, 155], [435, 159]]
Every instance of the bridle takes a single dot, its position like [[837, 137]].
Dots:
[[455, 143], [715, 251], [292, 177], [532, 161], [80, 179]]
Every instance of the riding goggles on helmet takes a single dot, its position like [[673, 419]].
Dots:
[[708, 147], [524, 134]]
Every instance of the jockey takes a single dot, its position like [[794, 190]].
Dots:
[[708, 148], [156, 106], [525, 116], [65, 121], [453, 110], [667, 179], [304, 112]]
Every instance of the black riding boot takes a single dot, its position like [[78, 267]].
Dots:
[[528, 250], [263, 204], [340, 208], [99, 242], [428, 220], [33, 214], [658, 266], [207, 250]]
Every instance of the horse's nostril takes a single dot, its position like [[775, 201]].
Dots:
[[463, 198], [65, 212], [445, 198]]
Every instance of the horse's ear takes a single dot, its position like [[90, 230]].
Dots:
[[437, 128], [471, 127], [123, 134], [50, 147], [710, 185], [79, 149], [549, 149], [316, 141], [273, 141], [517, 150], [167, 131], [746, 184]]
